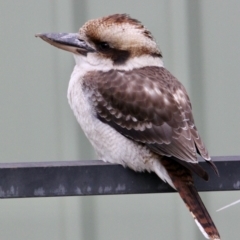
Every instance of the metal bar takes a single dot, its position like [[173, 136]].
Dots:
[[80, 178]]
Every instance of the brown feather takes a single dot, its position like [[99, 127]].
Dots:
[[183, 182], [150, 106]]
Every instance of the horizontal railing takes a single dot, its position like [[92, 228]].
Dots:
[[80, 178]]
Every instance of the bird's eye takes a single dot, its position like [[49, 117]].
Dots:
[[104, 46]]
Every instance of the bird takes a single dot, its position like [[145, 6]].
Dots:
[[132, 109]]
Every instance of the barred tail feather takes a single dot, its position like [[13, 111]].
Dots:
[[183, 182], [199, 212]]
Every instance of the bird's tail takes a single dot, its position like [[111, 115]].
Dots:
[[183, 181]]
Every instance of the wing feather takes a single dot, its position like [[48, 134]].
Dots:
[[148, 105]]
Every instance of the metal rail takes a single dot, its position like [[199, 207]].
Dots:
[[80, 178]]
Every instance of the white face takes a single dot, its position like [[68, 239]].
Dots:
[[92, 63]]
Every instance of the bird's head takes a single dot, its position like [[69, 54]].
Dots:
[[108, 41]]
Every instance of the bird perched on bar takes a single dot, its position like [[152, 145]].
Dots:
[[132, 109]]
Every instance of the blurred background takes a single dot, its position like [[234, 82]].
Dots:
[[200, 41]]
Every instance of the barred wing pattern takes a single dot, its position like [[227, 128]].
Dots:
[[150, 106]]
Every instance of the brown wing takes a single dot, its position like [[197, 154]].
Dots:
[[150, 106]]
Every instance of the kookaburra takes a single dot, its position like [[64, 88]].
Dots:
[[132, 109]]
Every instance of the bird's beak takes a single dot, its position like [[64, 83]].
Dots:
[[67, 41]]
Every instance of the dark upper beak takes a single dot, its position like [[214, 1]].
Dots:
[[67, 41]]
